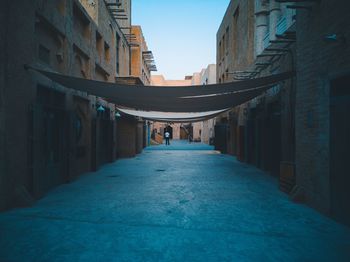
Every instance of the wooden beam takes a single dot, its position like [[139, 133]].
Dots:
[[299, 7], [272, 54], [263, 64], [282, 41], [277, 49]]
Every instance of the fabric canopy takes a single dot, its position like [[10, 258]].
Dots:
[[171, 116], [205, 98]]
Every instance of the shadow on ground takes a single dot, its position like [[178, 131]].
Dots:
[[175, 205], [181, 145]]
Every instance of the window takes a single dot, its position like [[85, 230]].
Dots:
[[227, 39], [44, 54], [117, 52], [81, 22], [107, 53], [78, 128], [235, 35], [236, 15], [99, 44], [81, 66], [223, 46]]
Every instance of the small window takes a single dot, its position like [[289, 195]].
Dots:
[[107, 53], [99, 43], [227, 39], [236, 15], [117, 52], [44, 54], [223, 45]]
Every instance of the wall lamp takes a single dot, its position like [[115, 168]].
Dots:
[[100, 109], [334, 38]]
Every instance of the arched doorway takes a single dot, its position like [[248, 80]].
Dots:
[[170, 130]]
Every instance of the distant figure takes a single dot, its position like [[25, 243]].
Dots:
[[167, 138], [189, 139]]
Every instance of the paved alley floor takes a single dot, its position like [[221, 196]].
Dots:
[[171, 205]]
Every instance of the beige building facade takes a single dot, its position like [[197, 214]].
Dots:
[[296, 130], [50, 134], [157, 127], [142, 60], [198, 131], [208, 77]]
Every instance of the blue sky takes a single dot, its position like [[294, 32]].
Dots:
[[181, 34]]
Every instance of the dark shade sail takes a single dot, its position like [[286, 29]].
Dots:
[[172, 99]]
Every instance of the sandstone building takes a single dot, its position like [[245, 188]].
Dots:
[[48, 133], [297, 129], [323, 106], [208, 77], [255, 39], [198, 131], [142, 60]]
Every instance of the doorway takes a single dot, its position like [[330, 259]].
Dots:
[[186, 132], [170, 130], [339, 149], [48, 147]]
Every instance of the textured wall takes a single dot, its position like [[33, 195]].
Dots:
[[71, 41], [3, 61], [138, 66], [19, 91], [201, 131], [318, 62], [238, 45]]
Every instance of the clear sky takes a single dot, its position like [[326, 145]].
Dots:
[[181, 33]]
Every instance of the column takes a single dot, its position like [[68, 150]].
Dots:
[[261, 24], [275, 14]]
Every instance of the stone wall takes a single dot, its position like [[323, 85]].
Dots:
[[235, 39], [139, 67], [319, 61], [3, 58], [261, 131], [56, 35], [19, 91], [202, 131]]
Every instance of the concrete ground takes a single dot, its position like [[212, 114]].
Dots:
[[171, 205]]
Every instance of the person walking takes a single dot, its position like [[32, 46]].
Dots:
[[167, 138]]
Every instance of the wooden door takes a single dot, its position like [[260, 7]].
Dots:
[[339, 149]]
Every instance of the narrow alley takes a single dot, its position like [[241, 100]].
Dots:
[[185, 202]]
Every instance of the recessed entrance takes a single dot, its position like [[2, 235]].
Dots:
[[339, 149], [170, 130]]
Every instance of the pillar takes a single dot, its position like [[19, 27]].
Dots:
[[261, 24], [275, 14]]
